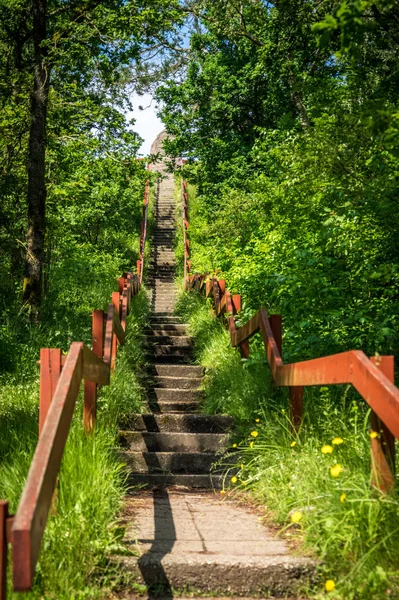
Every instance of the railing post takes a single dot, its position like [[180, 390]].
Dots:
[[50, 370], [124, 305], [244, 346], [3, 549], [295, 391], [296, 406], [121, 284], [90, 388], [383, 446], [115, 343]]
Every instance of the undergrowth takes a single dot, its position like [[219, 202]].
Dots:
[[84, 532], [316, 483]]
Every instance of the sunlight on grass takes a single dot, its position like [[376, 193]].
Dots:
[[321, 473]]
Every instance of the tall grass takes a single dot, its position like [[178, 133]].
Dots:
[[342, 520], [84, 531]]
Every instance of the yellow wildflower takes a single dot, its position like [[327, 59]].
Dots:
[[282, 410], [336, 441], [373, 435], [242, 466], [234, 445], [257, 420], [327, 449], [296, 516], [342, 498], [330, 585], [293, 444], [234, 479], [251, 444], [222, 492], [335, 470], [254, 434]]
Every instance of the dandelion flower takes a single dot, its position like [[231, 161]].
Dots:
[[254, 434], [251, 444], [222, 492], [293, 444], [330, 585], [327, 449], [296, 516], [234, 445], [234, 479], [336, 441], [373, 435], [257, 420], [335, 470], [342, 498]]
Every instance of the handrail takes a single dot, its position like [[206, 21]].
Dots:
[[31, 517], [372, 378], [60, 381]]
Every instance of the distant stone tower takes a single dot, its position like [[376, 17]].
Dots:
[[156, 145], [156, 148]]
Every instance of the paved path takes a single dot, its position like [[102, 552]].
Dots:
[[187, 538], [205, 543]]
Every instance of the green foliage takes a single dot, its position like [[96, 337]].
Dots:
[[343, 521], [84, 532], [297, 169]]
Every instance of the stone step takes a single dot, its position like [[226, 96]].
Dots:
[[169, 462], [168, 352], [169, 318], [162, 331], [168, 272], [150, 441], [175, 394], [178, 383], [159, 293], [168, 302], [179, 370], [189, 423], [170, 406], [263, 573], [190, 481], [171, 340]]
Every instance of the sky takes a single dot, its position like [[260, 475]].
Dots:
[[147, 125]]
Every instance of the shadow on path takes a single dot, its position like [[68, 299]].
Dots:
[[150, 564]]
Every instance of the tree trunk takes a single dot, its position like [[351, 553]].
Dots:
[[35, 252], [296, 98]]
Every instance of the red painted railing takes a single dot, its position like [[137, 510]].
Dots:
[[60, 380], [373, 378]]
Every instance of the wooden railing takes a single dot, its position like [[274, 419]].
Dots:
[[60, 381], [372, 378]]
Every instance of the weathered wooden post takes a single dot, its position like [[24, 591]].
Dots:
[[90, 388], [383, 444], [50, 370]]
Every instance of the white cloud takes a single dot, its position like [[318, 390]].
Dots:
[[147, 125]]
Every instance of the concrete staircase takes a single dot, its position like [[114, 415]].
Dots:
[[185, 538], [172, 444]]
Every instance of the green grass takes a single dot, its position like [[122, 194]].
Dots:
[[355, 539], [84, 532]]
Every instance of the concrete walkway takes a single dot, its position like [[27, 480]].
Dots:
[[187, 538], [203, 542]]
